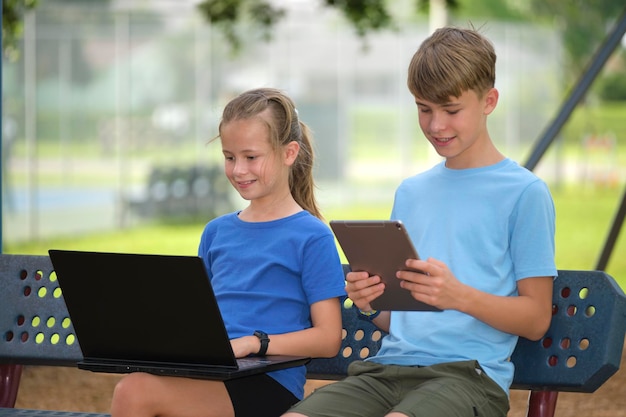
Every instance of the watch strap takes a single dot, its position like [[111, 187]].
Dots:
[[265, 341]]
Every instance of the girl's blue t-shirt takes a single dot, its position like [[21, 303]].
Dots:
[[492, 226], [266, 275]]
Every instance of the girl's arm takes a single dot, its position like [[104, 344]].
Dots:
[[323, 339]]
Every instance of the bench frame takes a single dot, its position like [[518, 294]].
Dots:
[[581, 350]]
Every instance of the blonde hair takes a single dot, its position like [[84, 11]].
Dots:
[[284, 127], [450, 62]]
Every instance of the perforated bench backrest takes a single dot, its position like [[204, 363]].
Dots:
[[35, 328], [583, 346], [580, 351]]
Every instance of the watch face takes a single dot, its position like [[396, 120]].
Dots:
[[261, 335]]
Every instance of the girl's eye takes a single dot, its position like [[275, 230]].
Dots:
[[229, 158], [424, 110]]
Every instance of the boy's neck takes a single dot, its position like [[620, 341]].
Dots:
[[485, 156]]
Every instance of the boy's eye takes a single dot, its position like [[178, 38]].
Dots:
[[453, 111]]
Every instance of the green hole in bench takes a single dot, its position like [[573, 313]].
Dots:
[[42, 292]]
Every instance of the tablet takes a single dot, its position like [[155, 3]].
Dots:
[[380, 247]]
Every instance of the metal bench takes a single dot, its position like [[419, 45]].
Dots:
[[581, 350]]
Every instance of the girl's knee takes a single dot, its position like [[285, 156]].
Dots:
[[130, 391]]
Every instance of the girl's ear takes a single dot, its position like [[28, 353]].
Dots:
[[291, 152], [491, 100]]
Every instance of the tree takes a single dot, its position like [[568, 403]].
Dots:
[[583, 25], [365, 16], [13, 24]]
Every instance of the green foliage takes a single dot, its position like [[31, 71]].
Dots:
[[13, 25], [225, 14], [612, 87], [583, 25], [364, 15]]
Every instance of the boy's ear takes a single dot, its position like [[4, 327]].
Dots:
[[491, 100], [291, 152]]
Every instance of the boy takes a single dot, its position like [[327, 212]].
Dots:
[[485, 229]]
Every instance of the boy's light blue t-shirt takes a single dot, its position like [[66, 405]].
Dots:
[[492, 226]]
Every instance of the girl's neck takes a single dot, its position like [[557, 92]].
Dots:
[[264, 211]]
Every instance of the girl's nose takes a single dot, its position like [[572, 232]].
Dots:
[[239, 167]]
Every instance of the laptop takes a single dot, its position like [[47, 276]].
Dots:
[[380, 247], [151, 313]]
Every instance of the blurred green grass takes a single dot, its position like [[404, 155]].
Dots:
[[584, 217]]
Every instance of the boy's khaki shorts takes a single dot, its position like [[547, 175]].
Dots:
[[457, 389]]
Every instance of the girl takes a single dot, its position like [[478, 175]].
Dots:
[[273, 265]]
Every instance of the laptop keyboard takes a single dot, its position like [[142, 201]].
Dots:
[[244, 363]]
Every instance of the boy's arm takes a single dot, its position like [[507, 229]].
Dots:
[[527, 314]]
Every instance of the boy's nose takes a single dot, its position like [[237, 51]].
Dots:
[[437, 123]]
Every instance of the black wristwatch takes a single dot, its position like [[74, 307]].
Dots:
[[265, 341]]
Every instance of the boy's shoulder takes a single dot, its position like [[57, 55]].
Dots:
[[506, 171]]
